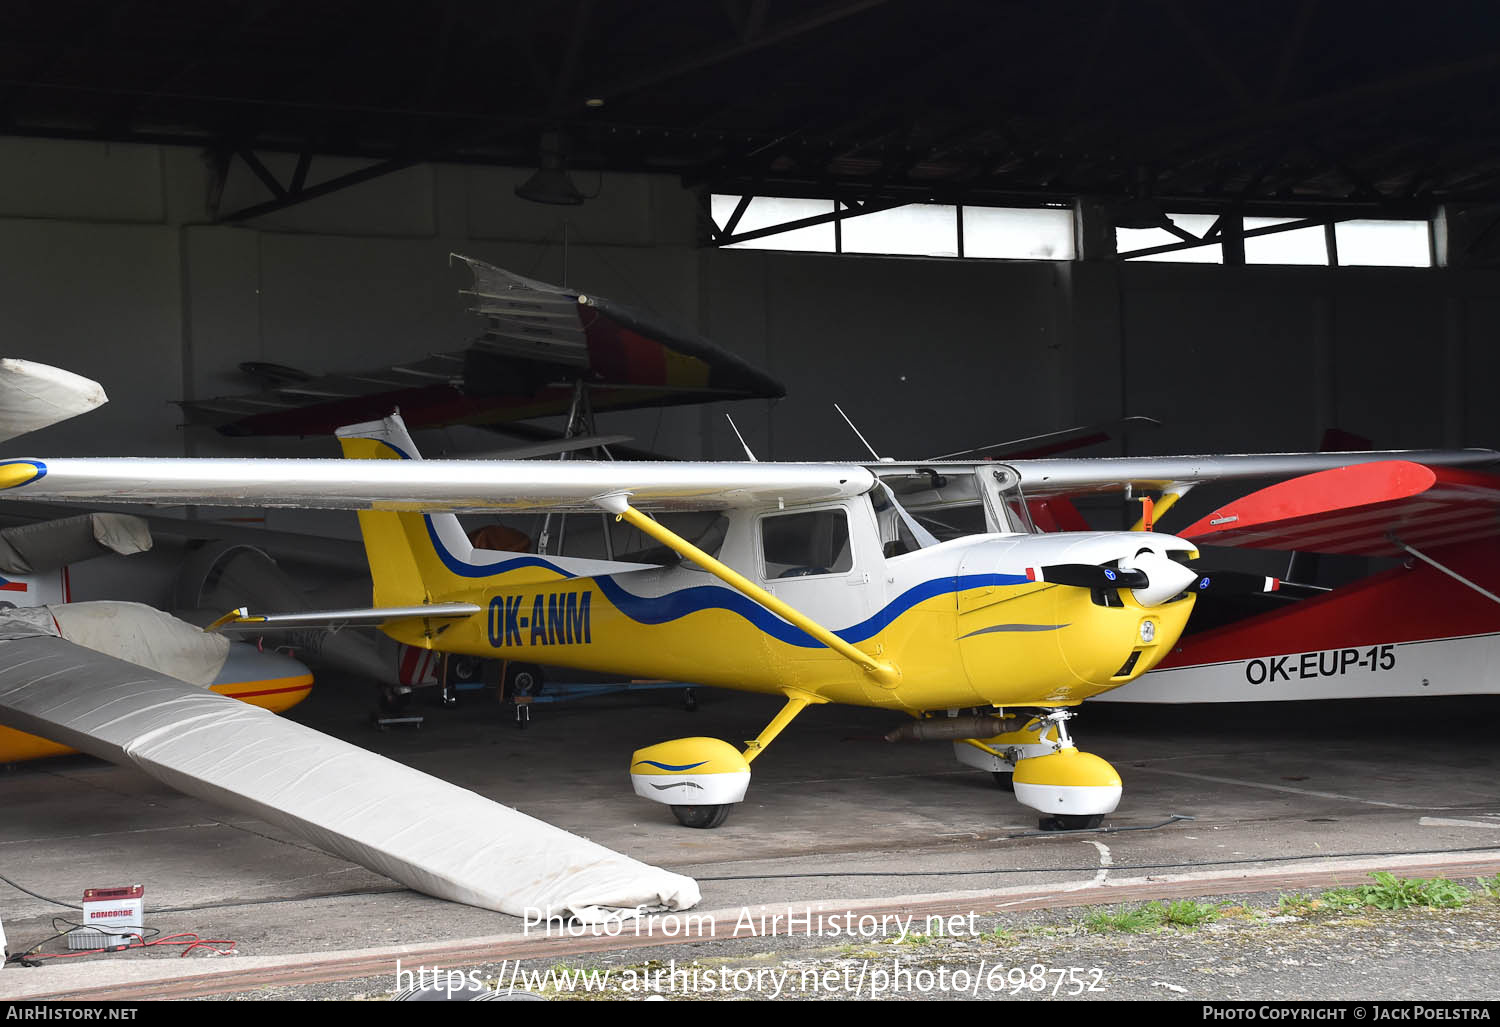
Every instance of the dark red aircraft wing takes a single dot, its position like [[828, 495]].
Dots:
[[538, 342], [1361, 510]]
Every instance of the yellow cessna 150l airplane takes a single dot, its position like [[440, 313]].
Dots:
[[922, 588]]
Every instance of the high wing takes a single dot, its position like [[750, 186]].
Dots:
[[417, 829], [461, 486], [1082, 475], [457, 486]]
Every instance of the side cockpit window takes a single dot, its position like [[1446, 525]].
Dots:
[[799, 545]]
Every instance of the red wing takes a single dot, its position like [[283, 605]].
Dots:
[[1358, 510]]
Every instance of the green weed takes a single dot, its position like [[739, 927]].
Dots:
[[1392, 892], [1134, 920]]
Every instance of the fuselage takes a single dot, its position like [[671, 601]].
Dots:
[[963, 621]]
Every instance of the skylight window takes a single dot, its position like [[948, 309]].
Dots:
[[1130, 239], [769, 211], [1019, 233], [1383, 243], [914, 229], [1299, 246]]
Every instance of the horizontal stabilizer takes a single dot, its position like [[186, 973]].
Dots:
[[428, 834], [243, 620]]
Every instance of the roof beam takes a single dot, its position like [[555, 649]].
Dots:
[[789, 29], [285, 198]]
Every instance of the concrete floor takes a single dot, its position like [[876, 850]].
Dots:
[[1260, 782]]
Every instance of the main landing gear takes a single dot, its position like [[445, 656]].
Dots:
[[1071, 790], [702, 778]]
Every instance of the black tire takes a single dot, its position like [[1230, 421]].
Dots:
[[522, 680], [1005, 779], [1071, 822], [702, 816]]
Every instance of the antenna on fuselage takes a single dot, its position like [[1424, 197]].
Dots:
[[862, 439], [748, 455]]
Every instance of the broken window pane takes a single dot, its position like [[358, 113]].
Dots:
[[1128, 239]]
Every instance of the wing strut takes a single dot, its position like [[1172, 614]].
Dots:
[[1451, 573], [616, 503]]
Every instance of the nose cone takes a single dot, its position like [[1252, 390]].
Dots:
[[1166, 577]]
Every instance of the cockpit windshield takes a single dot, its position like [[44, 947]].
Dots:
[[952, 502], [1007, 486]]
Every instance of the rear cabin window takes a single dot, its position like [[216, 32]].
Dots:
[[802, 544]]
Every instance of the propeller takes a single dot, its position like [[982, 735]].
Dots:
[[1088, 575], [1153, 578], [1234, 583]]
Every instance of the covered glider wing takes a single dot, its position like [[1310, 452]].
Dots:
[[1366, 510], [536, 344], [32, 396], [455, 486], [430, 835]]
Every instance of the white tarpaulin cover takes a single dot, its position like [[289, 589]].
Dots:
[[426, 833], [33, 396], [146, 636], [48, 545]]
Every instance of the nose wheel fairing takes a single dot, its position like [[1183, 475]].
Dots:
[[1067, 783], [1047, 772]]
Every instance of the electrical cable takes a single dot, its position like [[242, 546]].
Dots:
[[220, 905], [143, 939], [28, 891]]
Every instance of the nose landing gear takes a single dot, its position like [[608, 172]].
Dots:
[[1072, 790]]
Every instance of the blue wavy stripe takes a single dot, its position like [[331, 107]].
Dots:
[[484, 570], [668, 766], [459, 567], [673, 605]]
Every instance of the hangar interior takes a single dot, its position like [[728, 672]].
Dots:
[[184, 189], [115, 267]]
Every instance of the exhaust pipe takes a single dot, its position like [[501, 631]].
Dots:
[[948, 729]]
